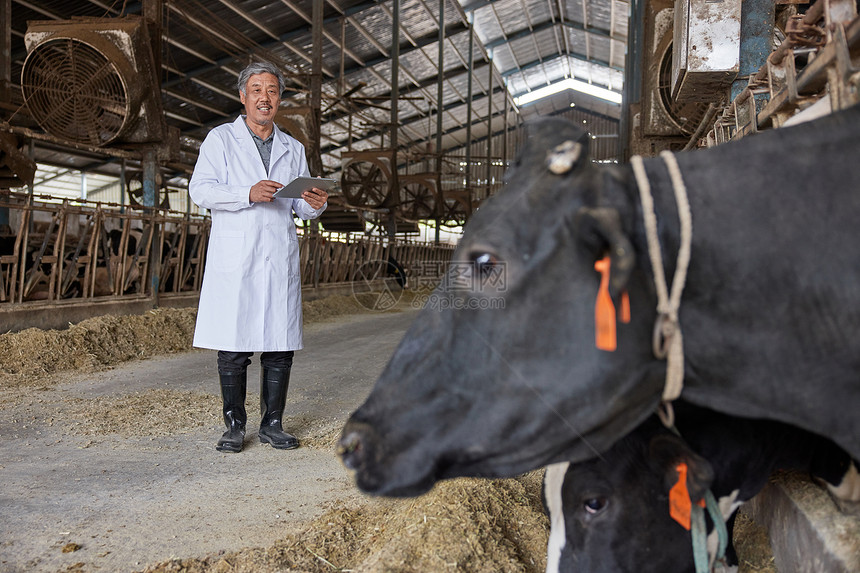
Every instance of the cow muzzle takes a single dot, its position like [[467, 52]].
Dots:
[[358, 448], [350, 449], [362, 451]]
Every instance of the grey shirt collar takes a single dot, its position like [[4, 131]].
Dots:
[[264, 147]]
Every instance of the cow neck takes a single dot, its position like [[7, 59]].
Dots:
[[667, 341]]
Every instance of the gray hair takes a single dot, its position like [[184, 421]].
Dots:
[[260, 67]]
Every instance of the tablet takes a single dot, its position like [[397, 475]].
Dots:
[[297, 186]]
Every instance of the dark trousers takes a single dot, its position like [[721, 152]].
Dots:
[[237, 362]]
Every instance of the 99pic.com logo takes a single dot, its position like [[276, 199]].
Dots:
[[378, 285], [468, 285]]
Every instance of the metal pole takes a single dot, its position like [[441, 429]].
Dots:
[[149, 163], [633, 61], [150, 178], [395, 95], [757, 18], [5, 72], [489, 120], [505, 138], [315, 158], [153, 10], [5, 54], [440, 65], [315, 153], [469, 107]]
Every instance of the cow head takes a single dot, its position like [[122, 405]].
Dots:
[[499, 374], [612, 513]]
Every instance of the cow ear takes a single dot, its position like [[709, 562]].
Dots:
[[568, 155], [600, 228], [667, 451]]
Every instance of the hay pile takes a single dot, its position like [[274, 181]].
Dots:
[[97, 342], [103, 341], [486, 526]]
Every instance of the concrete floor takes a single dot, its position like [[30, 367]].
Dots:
[[131, 501]]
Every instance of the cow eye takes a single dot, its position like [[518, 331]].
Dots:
[[595, 505], [485, 263]]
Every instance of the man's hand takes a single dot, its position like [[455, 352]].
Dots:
[[263, 191], [316, 198]]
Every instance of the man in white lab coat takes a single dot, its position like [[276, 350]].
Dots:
[[250, 300]]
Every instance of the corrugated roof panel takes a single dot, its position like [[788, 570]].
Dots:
[[526, 49], [487, 26], [418, 19], [460, 82], [520, 15], [355, 40], [578, 42], [599, 14], [377, 22], [599, 48], [600, 75], [620, 15], [459, 44], [550, 41], [418, 64]]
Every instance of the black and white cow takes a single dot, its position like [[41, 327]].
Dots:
[[499, 374], [611, 513]]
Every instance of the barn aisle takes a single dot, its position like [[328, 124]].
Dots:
[[115, 470]]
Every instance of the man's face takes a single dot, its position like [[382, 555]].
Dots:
[[261, 98]]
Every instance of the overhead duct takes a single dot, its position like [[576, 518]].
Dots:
[[93, 81]]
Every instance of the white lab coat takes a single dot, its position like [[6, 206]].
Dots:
[[250, 300]]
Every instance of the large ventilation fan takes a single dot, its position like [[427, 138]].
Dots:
[[663, 122], [366, 177], [90, 81], [685, 114]]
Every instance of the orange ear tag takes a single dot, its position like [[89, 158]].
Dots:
[[680, 505], [625, 307], [604, 310]]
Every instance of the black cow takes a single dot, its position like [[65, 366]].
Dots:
[[499, 377], [611, 513]]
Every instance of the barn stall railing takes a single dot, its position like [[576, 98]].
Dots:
[[62, 253]]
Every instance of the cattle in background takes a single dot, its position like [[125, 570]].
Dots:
[[611, 513], [770, 313]]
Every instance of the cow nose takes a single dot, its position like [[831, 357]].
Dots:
[[350, 449]]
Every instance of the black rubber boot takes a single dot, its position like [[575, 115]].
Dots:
[[273, 396], [233, 388]]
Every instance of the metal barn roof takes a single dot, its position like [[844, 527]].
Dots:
[[205, 43]]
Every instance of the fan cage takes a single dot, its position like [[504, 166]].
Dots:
[[685, 115], [76, 92]]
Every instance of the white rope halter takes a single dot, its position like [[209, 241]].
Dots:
[[667, 341]]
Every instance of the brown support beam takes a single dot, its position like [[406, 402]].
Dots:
[[153, 11]]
